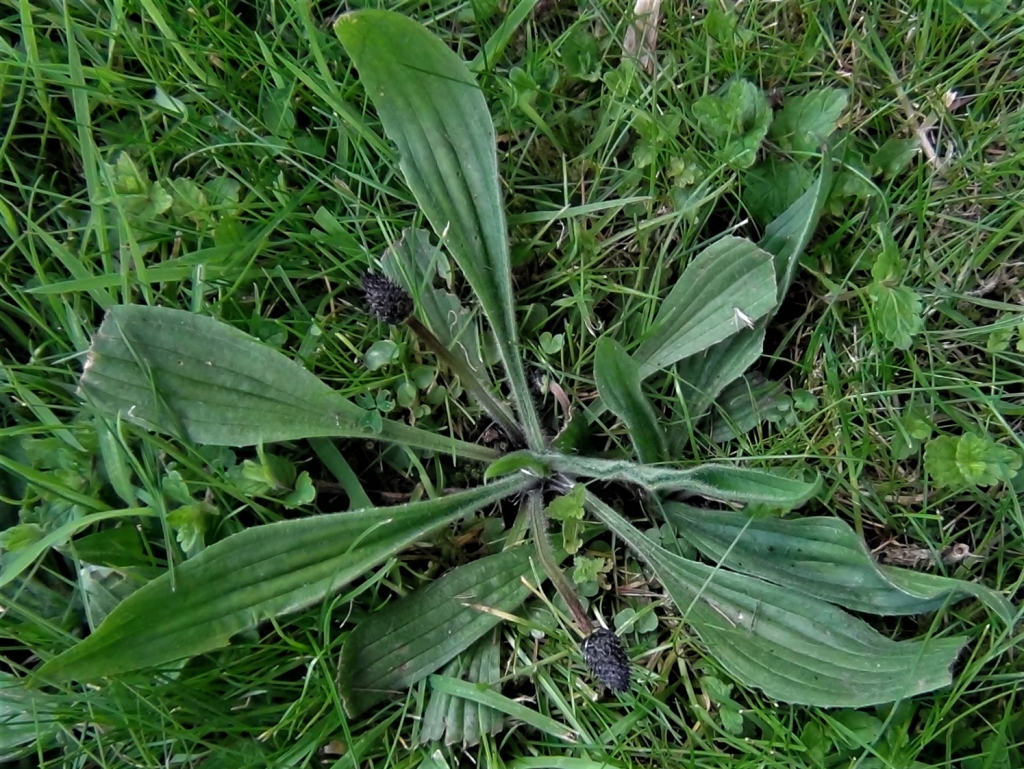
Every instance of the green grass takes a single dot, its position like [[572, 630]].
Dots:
[[249, 117]]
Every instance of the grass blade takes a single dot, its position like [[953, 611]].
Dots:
[[25, 717], [490, 698], [333, 460]]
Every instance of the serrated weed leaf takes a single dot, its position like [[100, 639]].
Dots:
[[970, 461], [894, 156], [983, 462], [805, 122], [737, 119], [568, 506], [896, 311], [772, 186]]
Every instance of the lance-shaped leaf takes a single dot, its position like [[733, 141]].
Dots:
[[196, 377], [791, 645], [788, 235], [726, 287], [455, 719], [261, 572], [821, 557], [431, 107], [618, 383], [411, 638], [705, 375], [723, 482]]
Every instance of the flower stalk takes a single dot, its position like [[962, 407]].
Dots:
[[391, 304], [548, 562]]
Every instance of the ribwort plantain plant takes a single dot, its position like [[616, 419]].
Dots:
[[766, 599]]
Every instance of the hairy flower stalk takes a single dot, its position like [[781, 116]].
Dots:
[[601, 648], [390, 303], [546, 556]]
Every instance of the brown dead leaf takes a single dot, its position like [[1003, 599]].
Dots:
[[895, 554]]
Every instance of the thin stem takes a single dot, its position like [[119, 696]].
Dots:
[[548, 562], [396, 432], [469, 380]]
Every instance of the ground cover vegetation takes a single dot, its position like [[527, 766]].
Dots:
[[528, 385]]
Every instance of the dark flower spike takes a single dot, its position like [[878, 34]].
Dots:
[[386, 300], [606, 659]]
